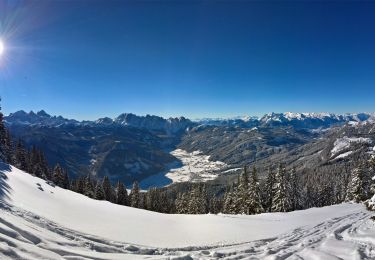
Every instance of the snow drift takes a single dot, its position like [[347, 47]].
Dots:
[[38, 220]]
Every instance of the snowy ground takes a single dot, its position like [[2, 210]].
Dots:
[[39, 221], [344, 143], [194, 167]]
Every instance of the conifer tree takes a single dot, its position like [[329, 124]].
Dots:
[[8, 147], [356, 190], [195, 201], [325, 195], [21, 156], [80, 185], [107, 187], [121, 194], [254, 200], [99, 192], [295, 191], [367, 179], [229, 206], [242, 199], [165, 204], [4, 149], [65, 179], [203, 200], [57, 176], [134, 196], [372, 174], [214, 205], [88, 187], [182, 202], [269, 189], [281, 202]]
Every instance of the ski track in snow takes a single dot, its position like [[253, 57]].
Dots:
[[347, 237], [59, 224]]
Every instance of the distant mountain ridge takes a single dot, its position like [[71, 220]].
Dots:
[[152, 122], [131, 147], [149, 122], [300, 120]]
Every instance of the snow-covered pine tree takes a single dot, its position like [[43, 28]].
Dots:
[[99, 192], [372, 174], [121, 194], [182, 203], [57, 176], [203, 200], [21, 156], [179, 204], [214, 205], [228, 200], [142, 200], [254, 200], [88, 187], [357, 187], [108, 190], [65, 179], [81, 183], [195, 201], [281, 201], [165, 204], [295, 190], [367, 179], [9, 151], [269, 189], [5, 142], [134, 196], [234, 207], [325, 195], [242, 200], [153, 199]]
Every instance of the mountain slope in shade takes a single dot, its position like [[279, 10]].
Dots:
[[39, 221]]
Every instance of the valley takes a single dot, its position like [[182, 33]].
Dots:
[[137, 148]]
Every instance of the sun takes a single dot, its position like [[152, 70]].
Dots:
[[2, 48]]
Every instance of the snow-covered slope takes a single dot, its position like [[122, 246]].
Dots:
[[39, 221]]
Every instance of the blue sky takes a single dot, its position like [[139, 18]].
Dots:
[[90, 59]]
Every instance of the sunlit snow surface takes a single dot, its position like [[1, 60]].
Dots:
[[39, 221], [344, 143], [193, 167]]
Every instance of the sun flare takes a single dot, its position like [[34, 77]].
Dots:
[[1, 47]]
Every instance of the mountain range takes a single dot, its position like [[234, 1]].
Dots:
[[131, 147]]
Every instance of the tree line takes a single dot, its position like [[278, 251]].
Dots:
[[282, 190]]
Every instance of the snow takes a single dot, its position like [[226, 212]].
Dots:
[[344, 143], [353, 123], [193, 167], [232, 170], [39, 221], [343, 155]]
